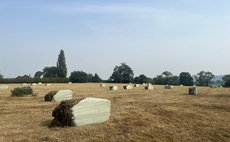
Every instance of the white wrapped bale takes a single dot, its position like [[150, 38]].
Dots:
[[168, 86], [213, 86], [79, 112], [149, 87], [91, 111], [136, 85], [102, 85], [47, 84], [127, 87], [63, 95], [3, 87], [113, 88], [34, 84]]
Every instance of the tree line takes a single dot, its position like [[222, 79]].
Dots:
[[121, 74]]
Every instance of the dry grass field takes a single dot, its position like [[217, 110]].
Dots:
[[137, 115]]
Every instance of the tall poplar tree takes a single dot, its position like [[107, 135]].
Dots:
[[61, 65]]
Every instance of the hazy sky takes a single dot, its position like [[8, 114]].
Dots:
[[150, 36]]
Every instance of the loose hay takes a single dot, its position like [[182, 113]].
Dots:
[[50, 95]]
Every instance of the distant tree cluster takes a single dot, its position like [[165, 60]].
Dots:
[[1, 76], [226, 80], [121, 74], [54, 71]]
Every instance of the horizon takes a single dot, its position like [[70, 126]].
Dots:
[[149, 36]]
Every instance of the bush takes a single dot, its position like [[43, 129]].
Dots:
[[22, 91]]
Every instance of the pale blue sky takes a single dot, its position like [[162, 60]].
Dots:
[[151, 36]]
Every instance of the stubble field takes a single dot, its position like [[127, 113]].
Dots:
[[137, 115]]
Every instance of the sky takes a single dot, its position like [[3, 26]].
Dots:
[[150, 36]]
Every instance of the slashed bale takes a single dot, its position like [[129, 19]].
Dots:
[[47, 84], [213, 86], [79, 112], [127, 87], [136, 85], [113, 88], [192, 91], [62, 113], [149, 87], [59, 95], [168, 86], [102, 85]]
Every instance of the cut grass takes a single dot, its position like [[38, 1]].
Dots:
[[136, 115]]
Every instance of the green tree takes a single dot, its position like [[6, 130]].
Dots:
[[1, 76], [61, 65], [185, 79], [166, 78], [226, 80], [78, 77], [141, 79], [203, 78], [50, 72], [96, 78], [122, 74], [38, 74], [90, 77], [159, 79]]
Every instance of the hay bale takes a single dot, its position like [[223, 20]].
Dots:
[[47, 84], [59, 95], [213, 86], [136, 85], [113, 88], [192, 91], [63, 95], [50, 95], [3, 87], [79, 112], [102, 85], [127, 87], [168, 86], [149, 87], [62, 114]]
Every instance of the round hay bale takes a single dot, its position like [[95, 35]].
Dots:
[[50, 95]]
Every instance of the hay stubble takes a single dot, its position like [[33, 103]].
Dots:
[[136, 115]]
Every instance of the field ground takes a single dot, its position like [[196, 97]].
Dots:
[[137, 115]]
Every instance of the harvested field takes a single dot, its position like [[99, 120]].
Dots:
[[159, 115]]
